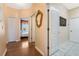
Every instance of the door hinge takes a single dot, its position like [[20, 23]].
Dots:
[[48, 10], [48, 47], [48, 29]]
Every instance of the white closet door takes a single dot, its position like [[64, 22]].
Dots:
[[12, 33], [74, 30], [53, 32]]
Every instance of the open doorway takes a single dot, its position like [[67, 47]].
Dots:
[[24, 29]]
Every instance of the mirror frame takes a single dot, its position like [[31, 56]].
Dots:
[[39, 13]]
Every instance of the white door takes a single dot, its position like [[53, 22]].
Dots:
[[11, 29], [53, 31], [74, 30]]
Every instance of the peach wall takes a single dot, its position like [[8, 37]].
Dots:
[[3, 43], [18, 13], [27, 12], [11, 12], [41, 33]]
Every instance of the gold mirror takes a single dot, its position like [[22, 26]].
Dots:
[[39, 17]]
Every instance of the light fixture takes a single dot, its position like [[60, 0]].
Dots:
[[20, 5]]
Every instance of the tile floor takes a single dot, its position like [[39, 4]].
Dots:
[[69, 48]]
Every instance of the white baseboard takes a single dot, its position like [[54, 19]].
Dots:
[[18, 40], [39, 50], [5, 52]]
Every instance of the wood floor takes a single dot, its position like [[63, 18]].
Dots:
[[22, 48]]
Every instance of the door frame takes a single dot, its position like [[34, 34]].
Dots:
[[48, 32], [29, 29], [48, 29], [32, 24]]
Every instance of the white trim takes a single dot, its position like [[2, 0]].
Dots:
[[53, 8], [18, 40], [5, 52], [39, 50]]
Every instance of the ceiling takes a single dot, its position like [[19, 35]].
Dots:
[[20, 5], [70, 6]]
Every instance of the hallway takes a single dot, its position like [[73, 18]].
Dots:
[[22, 48]]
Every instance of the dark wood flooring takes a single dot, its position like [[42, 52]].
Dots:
[[22, 48]]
